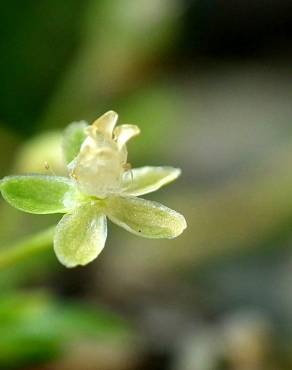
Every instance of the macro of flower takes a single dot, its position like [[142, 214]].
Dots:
[[100, 185]]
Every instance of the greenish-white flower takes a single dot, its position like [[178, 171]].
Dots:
[[100, 185]]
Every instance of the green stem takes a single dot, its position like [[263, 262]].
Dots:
[[11, 254]]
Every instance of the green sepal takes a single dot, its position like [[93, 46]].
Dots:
[[73, 137], [39, 194], [145, 218], [80, 235], [144, 180]]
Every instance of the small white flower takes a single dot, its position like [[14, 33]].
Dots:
[[100, 166], [100, 186]]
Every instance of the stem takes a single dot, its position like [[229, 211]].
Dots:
[[30, 245]]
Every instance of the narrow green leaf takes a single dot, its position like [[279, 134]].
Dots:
[[39, 193], [139, 181], [145, 218], [73, 137], [80, 235]]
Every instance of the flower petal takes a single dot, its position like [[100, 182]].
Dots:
[[124, 133], [105, 124], [144, 180], [80, 236], [73, 137], [39, 193], [145, 218]]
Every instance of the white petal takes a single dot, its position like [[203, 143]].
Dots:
[[124, 133], [145, 218], [106, 123], [144, 180], [80, 236]]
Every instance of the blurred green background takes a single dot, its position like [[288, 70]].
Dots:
[[210, 85]]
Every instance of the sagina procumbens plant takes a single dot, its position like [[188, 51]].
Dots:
[[100, 185]]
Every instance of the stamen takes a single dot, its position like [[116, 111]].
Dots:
[[48, 168]]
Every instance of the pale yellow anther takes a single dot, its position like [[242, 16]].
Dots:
[[104, 124], [124, 133]]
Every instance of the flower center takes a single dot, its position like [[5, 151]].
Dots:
[[99, 167]]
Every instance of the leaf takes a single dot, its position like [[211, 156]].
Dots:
[[144, 180], [34, 327], [145, 218], [20, 314], [39, 193], [80, 236], [73, 137]]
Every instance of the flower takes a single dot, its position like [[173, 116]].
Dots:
[[101, 185], [100, 166]]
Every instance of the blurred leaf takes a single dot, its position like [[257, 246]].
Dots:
[[73, 137], [41, 154], [34, 328], [29, 75], [121, 43]]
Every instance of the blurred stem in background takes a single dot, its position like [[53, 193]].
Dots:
[[26, 247]]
